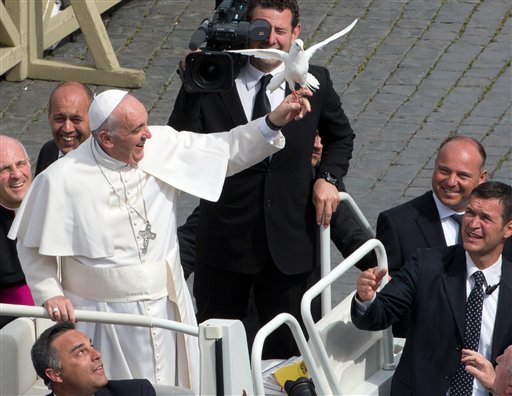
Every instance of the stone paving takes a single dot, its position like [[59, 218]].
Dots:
[[409, 74]]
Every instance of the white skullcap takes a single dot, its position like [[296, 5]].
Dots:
[[103, 105]]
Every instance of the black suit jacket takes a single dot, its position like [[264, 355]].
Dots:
[[266, 210], [48, 154], [134, 387], [432, 285]]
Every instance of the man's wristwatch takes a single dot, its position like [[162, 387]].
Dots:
[[328, 177]]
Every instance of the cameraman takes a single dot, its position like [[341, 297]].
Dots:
[[263, 230]]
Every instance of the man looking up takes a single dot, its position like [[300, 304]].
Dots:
[[15, 179], [116, 237], [262, 233], [69, 365], [69, 121]]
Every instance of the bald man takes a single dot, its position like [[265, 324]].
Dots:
[[15, 179], [69, 121]]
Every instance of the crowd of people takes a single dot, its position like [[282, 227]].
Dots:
[[96, 230]]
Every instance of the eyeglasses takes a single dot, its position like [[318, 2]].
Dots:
[[8, 169]]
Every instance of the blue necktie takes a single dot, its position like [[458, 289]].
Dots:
[[458, 219], [462, 382]]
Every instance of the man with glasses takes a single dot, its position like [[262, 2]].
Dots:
[[15, 179]]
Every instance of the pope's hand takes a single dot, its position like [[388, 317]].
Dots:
[[60, 309], [368, 282], [293, 107]]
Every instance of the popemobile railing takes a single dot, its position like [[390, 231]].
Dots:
[[325, 246], [103, 317]]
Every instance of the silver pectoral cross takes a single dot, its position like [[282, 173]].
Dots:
[[146, 235]]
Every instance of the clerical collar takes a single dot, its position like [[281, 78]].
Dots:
[[7, 208], [106, 160], [443, 210]]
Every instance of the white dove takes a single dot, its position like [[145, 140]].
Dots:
[[296, 61]]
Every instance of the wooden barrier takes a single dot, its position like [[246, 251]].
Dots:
[[27, 28]]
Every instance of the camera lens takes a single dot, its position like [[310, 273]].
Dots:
[[209, 71], [302, 386]]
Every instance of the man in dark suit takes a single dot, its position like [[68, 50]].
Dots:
[[70, 366], [426, 221], [262, 231], [434, 286], [69, 121]]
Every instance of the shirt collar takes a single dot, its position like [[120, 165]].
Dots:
[[492, 274], [443, 210], [251, 76]]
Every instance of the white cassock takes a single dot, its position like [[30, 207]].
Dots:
[[89, 209]]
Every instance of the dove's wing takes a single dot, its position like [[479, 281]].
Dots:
[[269, 53], [312, 83], [276, 80], [311, 50]]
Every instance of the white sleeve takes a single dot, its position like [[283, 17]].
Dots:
[[270, 135], [41, 273]]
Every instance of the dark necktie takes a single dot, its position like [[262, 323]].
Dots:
[[261, 102], [462, 382], [458, 219]]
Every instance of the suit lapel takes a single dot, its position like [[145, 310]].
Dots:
[[428, 221], [454, 282], [234, 107], [503, 322]]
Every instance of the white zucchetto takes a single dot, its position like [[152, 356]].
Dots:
[[103, 105]]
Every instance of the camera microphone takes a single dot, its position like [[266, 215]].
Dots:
[[490, 289], [199, 36]]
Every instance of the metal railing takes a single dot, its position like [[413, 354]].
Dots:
[[298, 335], [103, 317], [325, 246], [325, 282]]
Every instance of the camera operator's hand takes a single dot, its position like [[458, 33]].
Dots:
[[293, 107]]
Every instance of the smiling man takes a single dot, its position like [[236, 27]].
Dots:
[[69, 121], [430, 219], [108, 210], [15, 179], [69, 365], [459, 298]]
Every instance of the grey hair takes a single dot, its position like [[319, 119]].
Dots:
[[16, 141], [109, 126], [44, 355]]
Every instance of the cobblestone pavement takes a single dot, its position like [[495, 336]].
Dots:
[[409, 74]]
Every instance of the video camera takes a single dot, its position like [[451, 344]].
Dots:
[[212, 70]]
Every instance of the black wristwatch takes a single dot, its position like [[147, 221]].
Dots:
[[328, 177]]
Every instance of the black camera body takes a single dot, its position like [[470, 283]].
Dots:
[[212, 69]]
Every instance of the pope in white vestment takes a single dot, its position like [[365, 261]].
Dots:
[[93, 212]]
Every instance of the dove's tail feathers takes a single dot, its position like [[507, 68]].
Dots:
[[312, 83], [276, 80]]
